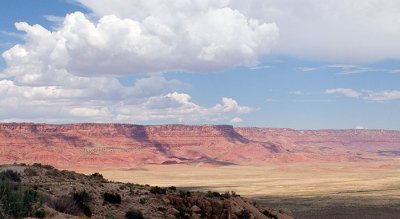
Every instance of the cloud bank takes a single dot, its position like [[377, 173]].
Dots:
[[347, 31], [69, 74], [374, 96]]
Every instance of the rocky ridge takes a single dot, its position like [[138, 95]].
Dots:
[[66, 194]]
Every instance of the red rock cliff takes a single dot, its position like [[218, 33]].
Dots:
[[124, 145]]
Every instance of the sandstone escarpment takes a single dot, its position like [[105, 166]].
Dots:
[[127, 145]]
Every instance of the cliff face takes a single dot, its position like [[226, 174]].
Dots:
[[122, 145]]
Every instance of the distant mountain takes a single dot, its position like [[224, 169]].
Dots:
[[125, 145]]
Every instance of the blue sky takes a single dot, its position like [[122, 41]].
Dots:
[[261, 63]]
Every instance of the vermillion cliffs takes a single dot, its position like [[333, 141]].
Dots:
[[124, 146]]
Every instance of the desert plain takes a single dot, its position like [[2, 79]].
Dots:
[[305, 190]]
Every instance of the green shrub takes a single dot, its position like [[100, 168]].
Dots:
[[134, 214], [112, 198]]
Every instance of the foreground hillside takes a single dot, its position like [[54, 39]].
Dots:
[[124, 146], [43, 191]]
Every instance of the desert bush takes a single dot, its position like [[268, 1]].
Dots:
[[269, 214], [184, 194], [213, 194], [233, 193], [203, 213], [113, 198], [81, 197], [40, 213], [53, 172], [30, 172], [86, 210], [142, 201], [134, 214], [110, 216], [172, 188], [97, 175], [226, 195], [11, 175], [82, 200], [65, 205], [158, 190], [244, 214], [68, 174], [45, 166], [184, 213], [17, 201]]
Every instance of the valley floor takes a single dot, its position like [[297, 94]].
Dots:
[[305, 190]]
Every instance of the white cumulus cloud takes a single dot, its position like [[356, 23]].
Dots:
[[383, 95], [209, 39], [236, 120], [344, 91], [359, 127]]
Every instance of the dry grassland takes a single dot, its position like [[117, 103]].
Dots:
[[307, 190]]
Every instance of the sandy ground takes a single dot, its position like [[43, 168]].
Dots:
[[317, 190]]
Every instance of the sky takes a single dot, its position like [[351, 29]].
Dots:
[[302, 64]]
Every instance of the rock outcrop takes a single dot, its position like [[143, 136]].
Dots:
[[126, 145]]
